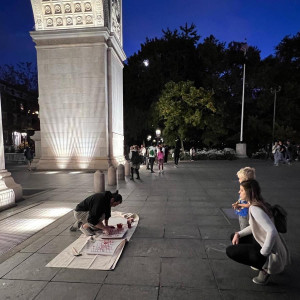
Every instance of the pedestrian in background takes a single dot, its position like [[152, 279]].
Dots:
[[160, 157], [152, 155], [177, 152], [143, 153], [192, 154], [166, 154], [135, 161], [28, 153]]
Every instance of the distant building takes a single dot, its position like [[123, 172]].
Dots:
[[20, 116]]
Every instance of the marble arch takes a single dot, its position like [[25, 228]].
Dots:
[[80, 58]]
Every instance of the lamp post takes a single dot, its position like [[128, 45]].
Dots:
[[149, 137], [274, 91], [158, 133], [241, 147]]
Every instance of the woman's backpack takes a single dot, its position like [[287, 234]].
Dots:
[[280, 218]]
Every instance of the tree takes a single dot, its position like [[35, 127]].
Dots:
[[171, 58], [182, 108], [23, 76]]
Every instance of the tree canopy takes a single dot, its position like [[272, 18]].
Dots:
[[182, 67], [23, 75], [184, 108]]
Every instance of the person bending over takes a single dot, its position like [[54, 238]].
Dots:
[[93, 211]]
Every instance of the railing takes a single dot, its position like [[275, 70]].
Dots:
[[15, 157]]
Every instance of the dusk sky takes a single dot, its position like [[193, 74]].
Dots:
[[263, 22]]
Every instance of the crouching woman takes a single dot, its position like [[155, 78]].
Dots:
[[259, 245]]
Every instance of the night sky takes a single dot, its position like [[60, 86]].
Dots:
[[263, 22]]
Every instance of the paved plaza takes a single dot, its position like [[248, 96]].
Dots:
[[178, 249]]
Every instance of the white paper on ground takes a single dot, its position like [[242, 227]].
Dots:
[[66, 259], [114, 233], [102, 246]]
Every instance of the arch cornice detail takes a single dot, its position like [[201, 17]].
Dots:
[[68, 14]]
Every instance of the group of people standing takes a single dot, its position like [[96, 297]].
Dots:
[[147, 156], [258, 243], [284, 152]]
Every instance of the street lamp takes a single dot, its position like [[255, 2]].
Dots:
[[146, 62], [274, 91], [157, 132], [241, 147]]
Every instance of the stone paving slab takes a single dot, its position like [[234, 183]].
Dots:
[[187, 273], [56, 245], [16, 289], [184, 232], [80, 275], [68, 290], [12, 262], [165, 248], [129, 271], [167, 293], [245, 295], [126, 292], [216, 232], [33, 268], [38, 244]]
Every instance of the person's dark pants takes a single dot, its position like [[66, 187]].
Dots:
[[246, 252], [176, 159], [137, 173], [166, 157], [151, 159]]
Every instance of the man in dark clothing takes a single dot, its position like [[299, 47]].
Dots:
[[91, 212], [177, 152], [166, 154], [28, 153]]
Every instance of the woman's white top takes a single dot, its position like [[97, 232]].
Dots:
[[265, 233]]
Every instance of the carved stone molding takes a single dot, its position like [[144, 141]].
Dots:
[[65, 14], [116, 18]]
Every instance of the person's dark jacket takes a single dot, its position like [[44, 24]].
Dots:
[[28, 153], [97, 205]]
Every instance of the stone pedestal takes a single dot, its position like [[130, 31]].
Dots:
[[241, 150], [121, 172], [7, 196], [37, 147], [80, 68], [9, 190], [111, 176], [127, 168], [11, 184], [99, 182]]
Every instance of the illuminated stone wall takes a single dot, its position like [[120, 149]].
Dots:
[[80, 72]]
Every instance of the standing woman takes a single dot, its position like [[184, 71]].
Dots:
[[259, 245], [135, 161]]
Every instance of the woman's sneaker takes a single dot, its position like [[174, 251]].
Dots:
[[262, 278]]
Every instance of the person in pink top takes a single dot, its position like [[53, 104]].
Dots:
[[160, 157]]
